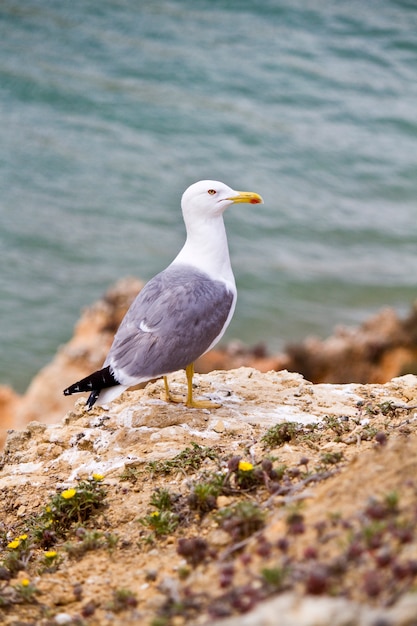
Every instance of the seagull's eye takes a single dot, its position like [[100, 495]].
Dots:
[[211, 192]]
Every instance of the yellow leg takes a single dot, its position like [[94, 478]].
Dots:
[[196, 404], [166, 388], [190, 402], [168, 395]]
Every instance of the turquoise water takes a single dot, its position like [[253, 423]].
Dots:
[[110, 109]]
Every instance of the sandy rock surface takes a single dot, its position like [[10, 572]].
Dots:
[[381, 348], [333, 534]]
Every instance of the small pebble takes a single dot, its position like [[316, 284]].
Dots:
[[63, 618], [219, 427]]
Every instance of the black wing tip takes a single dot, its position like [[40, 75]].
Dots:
[[71, 389], [101, 379]]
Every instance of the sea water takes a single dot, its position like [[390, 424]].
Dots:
[[110, 109]]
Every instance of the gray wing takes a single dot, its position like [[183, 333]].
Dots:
[[174, 320]]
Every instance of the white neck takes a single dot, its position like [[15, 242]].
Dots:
[[206, 248]]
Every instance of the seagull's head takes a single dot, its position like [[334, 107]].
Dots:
[[210, 198]]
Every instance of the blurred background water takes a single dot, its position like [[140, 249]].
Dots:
[[110, 109]]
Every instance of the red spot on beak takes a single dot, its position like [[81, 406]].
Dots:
[[255, 201]]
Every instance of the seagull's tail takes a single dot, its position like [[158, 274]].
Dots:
[[101, 379]]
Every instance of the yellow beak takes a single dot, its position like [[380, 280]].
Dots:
[[250, 197]]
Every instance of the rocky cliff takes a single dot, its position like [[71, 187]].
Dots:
[[383, 347], [292, 499]]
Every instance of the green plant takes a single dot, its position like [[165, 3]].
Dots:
[[330, 458], [280, 434], [69, 507], [368, 432], [123, 599], [161, 499], [241, 519], [19, 553], [387, 408], [273, 577], [203, 497], [130, 474], [160, 621], [247, 476], [189, 459], [50, 561], [160, 522], [373, 533], [336, 425], [25, 591], [89, 540]]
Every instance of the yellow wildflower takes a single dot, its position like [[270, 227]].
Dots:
[[25, 582], [22, 537], [68, 493], [50, 554], [245, 466], [155, 514], [14, 544], [98, 477]]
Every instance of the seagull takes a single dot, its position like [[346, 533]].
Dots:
[[182, 312]]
